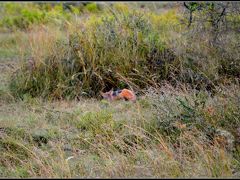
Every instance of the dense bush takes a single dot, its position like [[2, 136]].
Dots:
[[114, 50], [212, 39], [126, 48]]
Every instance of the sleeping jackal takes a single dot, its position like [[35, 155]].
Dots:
[[119, 94]]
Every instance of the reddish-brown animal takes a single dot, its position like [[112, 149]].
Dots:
[[119, 94]]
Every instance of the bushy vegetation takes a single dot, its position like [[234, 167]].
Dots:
[[123, 48], [113, 50], [25, 15], [217, 56], [180, 59]]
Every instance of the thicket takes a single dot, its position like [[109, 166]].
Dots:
[[130, 48]]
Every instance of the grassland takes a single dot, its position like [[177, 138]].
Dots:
[[53, 123]]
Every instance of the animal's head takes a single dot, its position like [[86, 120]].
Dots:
[[107, 95]]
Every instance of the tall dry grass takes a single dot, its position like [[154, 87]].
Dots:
[[122, 48], [117, 49]]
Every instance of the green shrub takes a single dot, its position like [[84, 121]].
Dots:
[[20, 16], [92, 7], [23, 16]]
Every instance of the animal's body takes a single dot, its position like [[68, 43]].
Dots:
[[125, 94]]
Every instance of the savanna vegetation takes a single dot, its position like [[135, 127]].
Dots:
[[181, 59]]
